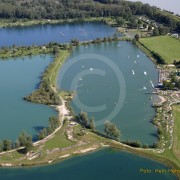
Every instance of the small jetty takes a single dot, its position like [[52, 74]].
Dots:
[[151, 92]]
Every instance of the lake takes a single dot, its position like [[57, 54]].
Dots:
[[18, 78], [111, 78], [61, 33], [105, 164], [113, 87]]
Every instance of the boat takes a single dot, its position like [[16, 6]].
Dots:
[[133, 72], [91, 69], [152, 83], [145, 73]]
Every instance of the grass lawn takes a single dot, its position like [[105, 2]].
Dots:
[[167, 47], [60, 59], [59, 140]]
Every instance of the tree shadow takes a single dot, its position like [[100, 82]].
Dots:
[[39, 82], [154, 135], [38, 128]]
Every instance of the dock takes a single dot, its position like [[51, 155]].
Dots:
[[151, 92]]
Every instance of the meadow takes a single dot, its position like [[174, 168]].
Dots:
[[165, 46]]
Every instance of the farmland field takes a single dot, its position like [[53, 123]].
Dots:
[[167, 47]]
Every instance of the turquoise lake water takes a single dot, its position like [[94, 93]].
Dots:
[[118, 95], [18, 78], [102, 165]]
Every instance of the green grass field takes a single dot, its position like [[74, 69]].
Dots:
[[167, 47]]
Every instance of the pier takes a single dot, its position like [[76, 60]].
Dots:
[[151, 92]]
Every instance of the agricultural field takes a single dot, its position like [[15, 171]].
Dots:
[[165, 46]]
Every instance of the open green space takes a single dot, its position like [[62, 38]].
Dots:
[[59, 140], [165, 46]]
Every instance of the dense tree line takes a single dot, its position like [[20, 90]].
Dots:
[[69, 9], [44, 95]]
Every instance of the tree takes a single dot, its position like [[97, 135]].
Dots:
[[1, 146], [111, 130], [120, 21], [7, 145], [53, 122], [150, 28], [109, 39], [156, 32], [104, 39], [28, 145], [115, 37], [42, 134], [22, 139], [17, 145], [136, 37], [84, 119], [55, 50], [144, 25], [168, 85], [25, 141], [75, 42], [64, 46], [92, 124]]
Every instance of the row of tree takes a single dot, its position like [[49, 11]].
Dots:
[[110, 129], [70, 9], [24, 140]]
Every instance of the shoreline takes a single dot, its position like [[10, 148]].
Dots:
[[28, 23]]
